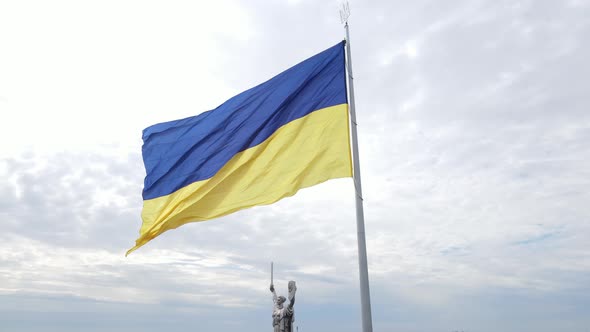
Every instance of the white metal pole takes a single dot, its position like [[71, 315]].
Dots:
[[360, 218]]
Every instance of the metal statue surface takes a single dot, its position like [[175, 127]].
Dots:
[[283, 315]]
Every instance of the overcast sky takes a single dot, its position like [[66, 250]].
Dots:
[[474, 124]]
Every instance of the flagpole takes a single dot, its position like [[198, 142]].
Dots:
[[360, 217]]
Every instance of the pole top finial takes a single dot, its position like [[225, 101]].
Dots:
[[344, 12]]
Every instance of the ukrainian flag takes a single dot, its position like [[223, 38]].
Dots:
[[266, 143]]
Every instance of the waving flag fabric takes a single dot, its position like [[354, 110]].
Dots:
[[262, 145]]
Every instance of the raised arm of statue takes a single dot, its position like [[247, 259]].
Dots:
[[274, 294], [292, 290]]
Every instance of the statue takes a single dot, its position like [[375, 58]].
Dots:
[[283, 316]]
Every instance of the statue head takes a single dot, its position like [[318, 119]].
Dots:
[[280, 300]]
